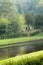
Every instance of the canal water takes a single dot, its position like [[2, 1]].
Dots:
[[25, 48]]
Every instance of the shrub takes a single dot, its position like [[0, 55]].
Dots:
[[35, 32], [42, 29], [35, 58]]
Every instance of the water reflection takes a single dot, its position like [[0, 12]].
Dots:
[[19, 50]]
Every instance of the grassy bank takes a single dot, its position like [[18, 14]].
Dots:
[[35, 58], [17, 40]]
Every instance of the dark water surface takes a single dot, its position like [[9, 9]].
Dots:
[[20, 49]]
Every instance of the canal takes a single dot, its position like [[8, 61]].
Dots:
[[20, 48]]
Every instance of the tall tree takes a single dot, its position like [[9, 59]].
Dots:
[[39, 8], [38, 20], [8, 9], [21, 21], [29, 20]]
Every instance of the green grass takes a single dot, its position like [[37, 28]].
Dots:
[[17, 40], [35, 58]]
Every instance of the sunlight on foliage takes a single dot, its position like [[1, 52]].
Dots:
[[4, 20], [21, 21]]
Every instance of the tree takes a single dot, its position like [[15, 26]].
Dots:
[[2, 29], [8, 9], [8, 17], [21, 22], [39, 8], [13, 29], [29, 20], [3, 26], [38, 20], [9, 29]]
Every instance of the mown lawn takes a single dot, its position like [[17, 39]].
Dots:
[[17, 40], [35, 58]]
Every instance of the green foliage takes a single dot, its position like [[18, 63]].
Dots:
[[8, 9], [21, 22], [3, 26], [8, 28], [27, 5], [13, 29], [41, 34], [35, 32], [29, 20], [8, 19], [12, 24], [35, 58], [38, 20], [42, 29], [39, 7]]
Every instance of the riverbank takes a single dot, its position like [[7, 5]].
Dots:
[[18, 40]]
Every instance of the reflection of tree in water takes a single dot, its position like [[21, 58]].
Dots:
[[22, 49]]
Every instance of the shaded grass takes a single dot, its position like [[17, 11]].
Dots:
[[35, 58], [40, 35]]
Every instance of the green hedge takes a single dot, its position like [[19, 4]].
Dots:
[[35, 58]]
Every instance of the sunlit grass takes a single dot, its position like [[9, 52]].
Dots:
[[17, 40]]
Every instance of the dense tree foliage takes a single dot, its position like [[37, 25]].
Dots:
[[39, 20], [21, 21], [8, 28], [34, 6], [16, 17], [7, 9], [29, 19]]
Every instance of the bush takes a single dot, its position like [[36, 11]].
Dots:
[[35, 32], [24, 35], [35, 58], [42, 29]]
